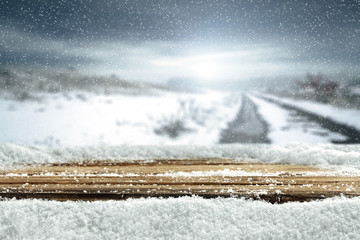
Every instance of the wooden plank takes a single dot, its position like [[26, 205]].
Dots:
[[208, 178]]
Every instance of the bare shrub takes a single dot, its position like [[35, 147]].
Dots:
[[320, 87], [171, 128]]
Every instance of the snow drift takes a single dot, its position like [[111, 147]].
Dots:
[[183, 218], [317, 155]]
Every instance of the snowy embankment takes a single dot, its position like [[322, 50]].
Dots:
[[85, 118], [317, 155], [285, 127], [350, 117], [183, 218]]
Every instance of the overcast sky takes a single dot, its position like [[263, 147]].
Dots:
[[205, 40]]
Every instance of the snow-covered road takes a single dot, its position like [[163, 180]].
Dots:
[[247, 127], [261, 120]]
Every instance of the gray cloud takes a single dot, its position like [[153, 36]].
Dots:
[[132, 37]]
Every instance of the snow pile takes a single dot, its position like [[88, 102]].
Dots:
[[319, 155], [183, 218]]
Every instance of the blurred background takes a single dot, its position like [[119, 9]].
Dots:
[[76, 73]]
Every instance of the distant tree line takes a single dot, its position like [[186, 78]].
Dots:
[[26, 83]]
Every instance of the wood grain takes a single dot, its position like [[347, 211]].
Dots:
[[105, 180]]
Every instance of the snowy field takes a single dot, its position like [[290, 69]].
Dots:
[[84, 118]]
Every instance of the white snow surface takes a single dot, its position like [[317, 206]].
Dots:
[[284, 128], [85, 118], [349, 117], [182, 218], [219, 173], [308, 154]]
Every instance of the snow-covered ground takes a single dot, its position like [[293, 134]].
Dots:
[[84, 118], [349, 117], [183, 218], [286, 127], [159, 117]]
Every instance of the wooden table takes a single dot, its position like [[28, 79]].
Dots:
[[208, 178]]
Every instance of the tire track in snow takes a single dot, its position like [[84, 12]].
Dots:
[[248, 126]]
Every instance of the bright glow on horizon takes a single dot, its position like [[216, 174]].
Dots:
[[211, 66], [207, 69], [161, 61]]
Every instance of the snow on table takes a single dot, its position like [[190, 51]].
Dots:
[[322, 155], [186, 217], [182, 218], [210, 178]]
